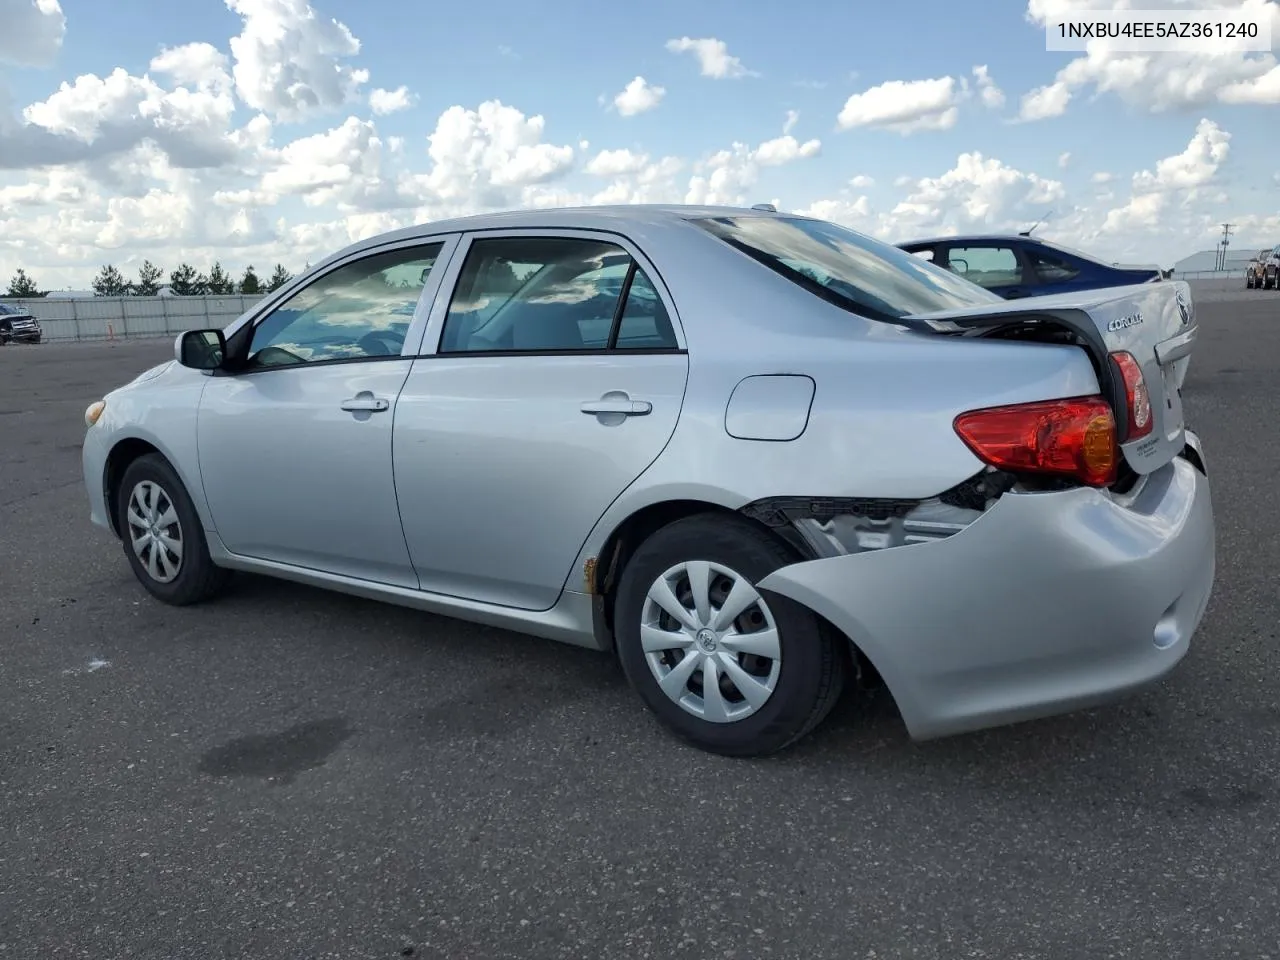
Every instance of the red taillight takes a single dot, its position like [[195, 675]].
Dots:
[[1137, 398], [1075, 437]]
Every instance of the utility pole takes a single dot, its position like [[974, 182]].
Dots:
[[1222, 250]]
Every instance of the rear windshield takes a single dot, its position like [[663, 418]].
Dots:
[[847, 268]]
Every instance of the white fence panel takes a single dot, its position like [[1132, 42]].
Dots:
[[99, 318], [58, 329]]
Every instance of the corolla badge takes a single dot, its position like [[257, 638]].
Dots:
[[1124, 323]]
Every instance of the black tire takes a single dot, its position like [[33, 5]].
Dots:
[[5, 332], [811, 663], [197, 577]]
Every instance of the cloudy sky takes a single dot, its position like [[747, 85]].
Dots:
[[257, 131]]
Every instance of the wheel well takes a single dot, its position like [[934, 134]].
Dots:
[[634, 530], [118, 460]]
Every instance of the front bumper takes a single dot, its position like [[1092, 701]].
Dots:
[[93, 460], [1050, 602]]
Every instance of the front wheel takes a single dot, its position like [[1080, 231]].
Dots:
[[727, 667], [162, 534]]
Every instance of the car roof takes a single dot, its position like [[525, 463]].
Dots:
[[623, 218], [569, 218]]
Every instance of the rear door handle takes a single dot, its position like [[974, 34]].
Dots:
[[626, 407], [366, 403]]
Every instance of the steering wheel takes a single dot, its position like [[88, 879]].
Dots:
[[380, 343]]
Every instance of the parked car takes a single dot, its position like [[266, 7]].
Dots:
[[1023, 266], [1263, 270], [752, 454], [18, 325]]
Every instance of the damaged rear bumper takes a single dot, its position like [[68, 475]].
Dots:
[[1050, 602]]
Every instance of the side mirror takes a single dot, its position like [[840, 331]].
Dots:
[[201, 349]]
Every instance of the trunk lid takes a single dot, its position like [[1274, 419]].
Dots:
[[1155, 322]]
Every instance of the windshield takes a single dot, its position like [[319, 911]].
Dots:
[[846, 268]]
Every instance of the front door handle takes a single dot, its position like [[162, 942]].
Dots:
[[365, 403], [617, 405]]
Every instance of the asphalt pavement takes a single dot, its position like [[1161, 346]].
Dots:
[[291, 774]]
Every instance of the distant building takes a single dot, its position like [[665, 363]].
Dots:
[[69, 295], [1206, 261]]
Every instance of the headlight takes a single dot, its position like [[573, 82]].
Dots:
[[93, 412]]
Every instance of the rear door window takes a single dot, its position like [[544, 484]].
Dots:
[[553, 294]]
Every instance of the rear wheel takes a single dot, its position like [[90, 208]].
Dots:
[[162, 534], [727, 667], [6, 331]]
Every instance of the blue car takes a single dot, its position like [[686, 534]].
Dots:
[[1024, 266]]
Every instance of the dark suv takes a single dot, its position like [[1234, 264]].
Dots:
[[18, 326]]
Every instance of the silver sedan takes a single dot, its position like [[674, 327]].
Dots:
[[752, 454]]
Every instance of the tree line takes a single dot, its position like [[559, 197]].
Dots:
[[184, 281]]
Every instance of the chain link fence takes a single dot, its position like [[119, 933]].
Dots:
[[114, 318]]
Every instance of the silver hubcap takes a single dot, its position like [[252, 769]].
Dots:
[[155, 532], [710, 641]]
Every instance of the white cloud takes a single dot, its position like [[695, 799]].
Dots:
[[480, 155], [713, 57], [727, 175], [200, 65], [904, 106], [978, 194], [33, 32], [638, 96], [862, 181], [383, 102], [1158, 81], [96, 118], [854, 213], [291, 61], [793, 117], [992, 96], [1142, 212], [1064, 160], [780, 150], [1102, 177], [614, 163], [342, 166], [1194, 167], [636, 179], [1044, 102]]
